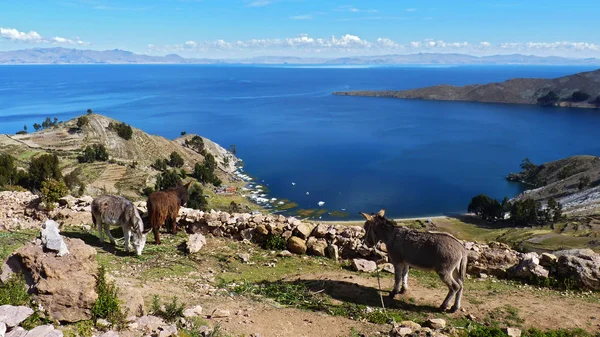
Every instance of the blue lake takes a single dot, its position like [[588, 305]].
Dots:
[[414, 158]]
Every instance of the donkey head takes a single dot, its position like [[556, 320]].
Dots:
[[182, 193], [373, 227], [138, 238]]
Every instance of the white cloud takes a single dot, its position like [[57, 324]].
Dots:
[[302, 17], [34, 37], [15, 35], [352, 9], [485, 44], [411, 9], [260, 3], [551, 46]]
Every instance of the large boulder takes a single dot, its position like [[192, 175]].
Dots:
[[195, 242], [303, 230], [316, 246], [529, 267], [364, 265], [64, 285], [580, 265], [296, 245], [12, 316], [492, 259]]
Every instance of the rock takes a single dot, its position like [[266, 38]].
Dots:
[[149, 324], [332, 252], [195, 242], [246, 234], [16, 332], [244, 257], [193, 312], [492, 259], [261, 230], [110, 334], [316, 246], [435, 323], [296, 245], [102, 323], [85, 200], [65, 286], [580, 265], [132, 300], [364, 265], [13, 316], [284, 253], [51, 238], [2, 329], [167, 331], [320, 231], [353, 232], [387, 267], [303, 230], [528, 267], [220, 313], [512, 332], [410, 324], [286, 235], [43, 331], [548, 260]]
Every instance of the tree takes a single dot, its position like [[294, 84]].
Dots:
[[123, 130], [82, 121], [160, 164], [233, 149], [579, 96], [175, 160], [25, 128], [96, 152], [210, 162], [183, 133], [524, 212], [196, 199], [555, 210], [8, 169], [53, 190], [43, 168], [583, 182], [167, 179], [196, 144], [486, 208], [37, 126], [89, 111], [549, 99]]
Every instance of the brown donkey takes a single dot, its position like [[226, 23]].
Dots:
[[439, 252], [163, 206]]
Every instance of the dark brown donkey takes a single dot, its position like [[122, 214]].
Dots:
[[163, 206]]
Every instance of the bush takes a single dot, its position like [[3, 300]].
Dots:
[[160, 164], [196, 144], [8, 170], [172, 311], [72, 179], [123, 130], [486, 208], [21, 132], [53, 190], [274, 242], [196, 199], [175, 160], [580, 96], [183, 133], [147, 191], [42, 168], [82, 121], [96, 152], [89, 111], [107, 305], [549, 99], [205, 172], [167, 180], [525, 212], [583, 182]]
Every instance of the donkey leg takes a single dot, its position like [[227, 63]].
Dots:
[[100, 230], [453, 288], [398, 272], [404, 279], [110, 237], [458, 297], [126, 236], [156, 235]]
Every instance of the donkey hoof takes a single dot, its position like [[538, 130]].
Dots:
[[454, 309], [392, 295], [403, 291], [443, 308]]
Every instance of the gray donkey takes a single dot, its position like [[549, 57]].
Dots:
[[116, 210], [440, 252]]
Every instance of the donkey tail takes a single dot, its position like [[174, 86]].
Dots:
[[463, 266]]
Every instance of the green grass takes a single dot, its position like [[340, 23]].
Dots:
[[11, 241]]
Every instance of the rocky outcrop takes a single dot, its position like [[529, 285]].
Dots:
[[19, 210], [65, 286], [11, 317], [492, 259], [580, 265]]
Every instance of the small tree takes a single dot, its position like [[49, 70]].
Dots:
[[82, 121], [175, 160], [167, 179], [233, 149], [196, 144], [123, 130], [486, 208], [96, 152], [196, 199], [583, 182], [160, 164], [37, 126], [53, 190], [183, 133], [42, 168], [89, 111]]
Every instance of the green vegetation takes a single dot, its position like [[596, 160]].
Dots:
[[579, 96], [196, 199], [196, 144], [521, 212], [107, 305], [89, 111], [146, 191], [160, 164], [82, 121], [528, 174], [167, 179], [53, 190], [123, 130], [183, 133], [9, 174], [274, 242], [172, 311], [175, 160], [549, 99], [205, 172], [583, 182], [43, 168], [48, 123], [14, 291], [486, 208], [96, 152]]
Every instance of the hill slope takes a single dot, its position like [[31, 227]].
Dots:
[[515, 91]]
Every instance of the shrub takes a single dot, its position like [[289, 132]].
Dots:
[[486, 208], [580, 96], [107, 305], [96, 152], [274, 242], [196, 199], [72, 179], [21, 132], [183, 133], [123, 130], [196, 144], [583, 182], [524, 212], [43, 168], [175, 160], [549, 99], [82, 121], [53, 190], [167, 179], [8, 170], [172, 311], [37, 126], [160, 164], [89, 111]]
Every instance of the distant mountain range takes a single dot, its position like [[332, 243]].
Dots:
[[78, 56]]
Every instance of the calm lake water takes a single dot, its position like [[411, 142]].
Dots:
[[414, 158]]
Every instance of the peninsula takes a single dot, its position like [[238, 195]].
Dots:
[[581, 90]]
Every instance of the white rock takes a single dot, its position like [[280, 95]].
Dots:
[[51, 238], [193, 312], [364, 265], [220, 313], [195, 242], [16, 332], [13, 316]]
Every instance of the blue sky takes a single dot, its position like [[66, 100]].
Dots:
[[320, 28]]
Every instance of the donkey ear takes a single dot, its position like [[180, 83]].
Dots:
[[381, 212], [366, 216], [147, 229]]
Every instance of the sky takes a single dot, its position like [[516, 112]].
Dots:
[[305, 28]]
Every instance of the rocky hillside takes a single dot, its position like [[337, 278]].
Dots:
[[573, 181], [514, 91], [129, 168]]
